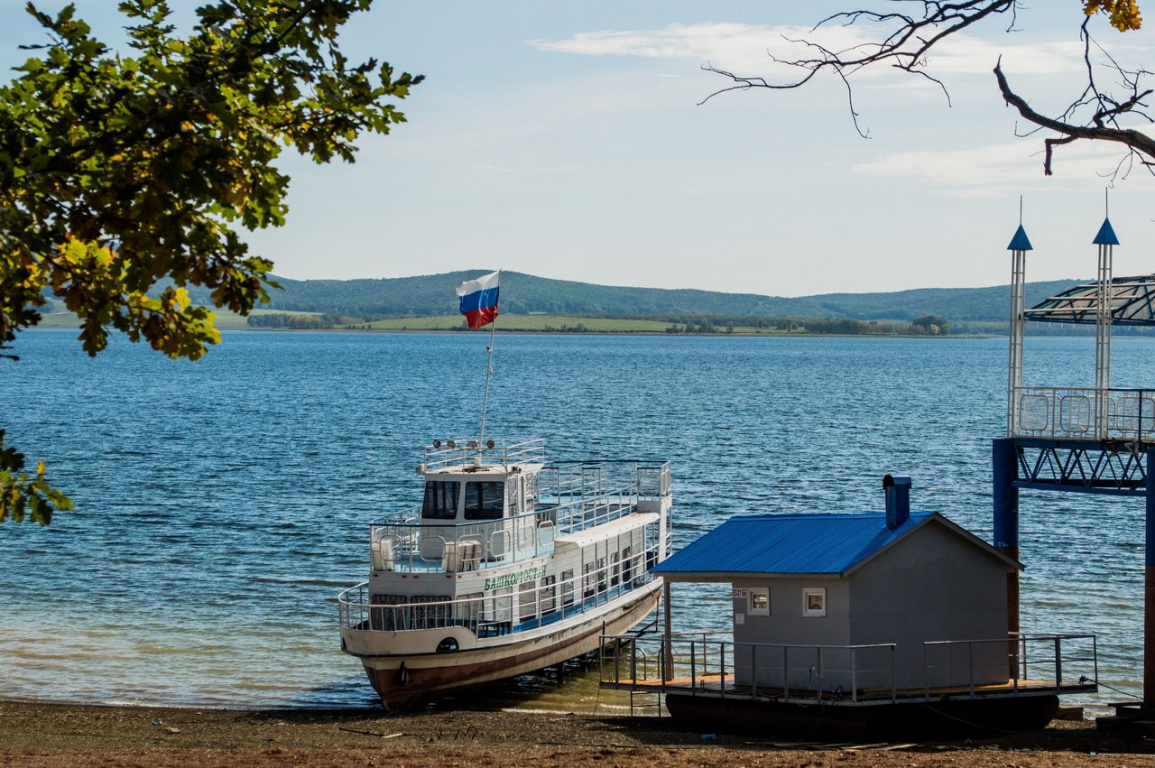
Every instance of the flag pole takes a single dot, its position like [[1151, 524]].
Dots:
[[488, 374]]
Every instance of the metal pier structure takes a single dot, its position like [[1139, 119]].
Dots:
[[1098, 439]]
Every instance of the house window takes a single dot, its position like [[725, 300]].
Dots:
[[759, 601], [814, 601]]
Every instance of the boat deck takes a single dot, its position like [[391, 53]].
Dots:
[[723, 686]]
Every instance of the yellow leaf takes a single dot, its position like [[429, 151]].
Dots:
[[1124, 14]]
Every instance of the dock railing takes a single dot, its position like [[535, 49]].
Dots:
[[704, 663], [1074, 413], [1037, 662]]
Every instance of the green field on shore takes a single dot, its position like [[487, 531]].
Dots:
[[228, 321], [523, 323], [535, 323]]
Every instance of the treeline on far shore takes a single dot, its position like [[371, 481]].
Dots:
[[926, 325]]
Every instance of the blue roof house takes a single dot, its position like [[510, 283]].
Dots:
[[828, 602]]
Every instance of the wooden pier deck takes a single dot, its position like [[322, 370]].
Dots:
[[724, 686]]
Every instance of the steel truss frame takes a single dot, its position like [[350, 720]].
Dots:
[[1109, 467]]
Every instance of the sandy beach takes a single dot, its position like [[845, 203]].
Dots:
[[55, 736]]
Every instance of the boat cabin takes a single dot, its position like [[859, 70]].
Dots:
[[477, 510]]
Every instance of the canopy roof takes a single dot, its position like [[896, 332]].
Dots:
[[1132, 303]]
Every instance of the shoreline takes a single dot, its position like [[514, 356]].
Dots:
[[59, 735], [660, 334]]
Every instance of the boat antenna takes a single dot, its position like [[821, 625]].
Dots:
[[488, 374]]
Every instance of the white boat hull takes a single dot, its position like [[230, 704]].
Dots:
[[400, 679]]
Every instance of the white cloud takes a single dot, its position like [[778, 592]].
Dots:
[[727, 45], [995, 170], [967, 55], [750, 47]]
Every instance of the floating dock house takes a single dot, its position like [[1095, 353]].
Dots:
[[853, 625]]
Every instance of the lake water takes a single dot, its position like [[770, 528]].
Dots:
[[222, 504]]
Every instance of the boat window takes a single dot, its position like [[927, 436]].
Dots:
[[614, 569], [440, 500], [514, 507], [567, 587], [627, 565], [483, 501], [527, 600], [549, 594], [589, 582], [601, 574]]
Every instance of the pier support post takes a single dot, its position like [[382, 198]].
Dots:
[[667, 635], [1149, 588], [1006, 518]]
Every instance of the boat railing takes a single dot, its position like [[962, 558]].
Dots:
[[1021, 661], [1073, 413], [443, 454], [407, 542], [702, 663], [503, 608], [653, 481]]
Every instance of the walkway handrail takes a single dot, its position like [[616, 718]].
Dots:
[[1014, 653], [709, 666], [1073, 413]]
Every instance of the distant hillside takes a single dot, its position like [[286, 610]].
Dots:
[[526, 294]]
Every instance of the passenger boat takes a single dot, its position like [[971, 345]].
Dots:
[[510, 565]]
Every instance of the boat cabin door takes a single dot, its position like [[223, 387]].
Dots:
[[524, 525], [533, 530]]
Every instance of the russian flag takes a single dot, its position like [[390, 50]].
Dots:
[[479, 299]]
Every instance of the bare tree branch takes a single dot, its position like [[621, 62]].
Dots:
[[907, 38], [1069, 132]]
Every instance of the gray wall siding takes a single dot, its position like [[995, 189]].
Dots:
[[934, 586], [787, 626]]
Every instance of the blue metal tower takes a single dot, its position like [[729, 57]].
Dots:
[[1084, 439]]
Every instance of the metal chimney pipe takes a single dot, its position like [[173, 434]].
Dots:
[[897, 490]]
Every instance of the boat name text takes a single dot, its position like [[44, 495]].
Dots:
[[513, 579]]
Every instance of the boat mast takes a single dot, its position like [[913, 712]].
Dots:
[[488, 374]]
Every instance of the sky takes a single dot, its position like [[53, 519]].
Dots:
[[570, 141]]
